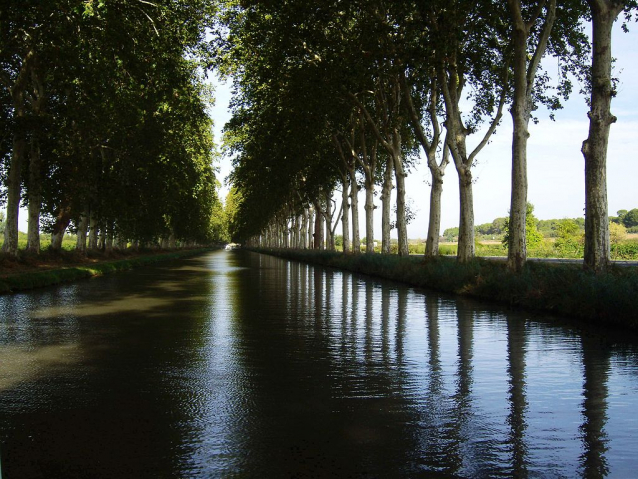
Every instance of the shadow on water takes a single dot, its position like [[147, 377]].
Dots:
[[235, 364], [99, 372]]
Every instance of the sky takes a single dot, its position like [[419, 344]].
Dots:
[[556, 174], [555, 164]]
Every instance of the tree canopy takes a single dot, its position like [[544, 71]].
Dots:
[[105, 114]]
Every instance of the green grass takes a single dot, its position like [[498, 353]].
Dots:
[[565, 289]]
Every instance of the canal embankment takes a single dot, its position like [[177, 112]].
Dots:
[[559, 288], [46, 270]]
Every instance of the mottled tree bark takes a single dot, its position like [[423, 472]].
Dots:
[[83, 225], [434, 224], [330, 239], [311, 227], [452, 86], [524, 75], [465, 251], [93, 232], [59, 228], [10, 245], [386, 195], [14, 178], [345, 217], [430, 147], [35, 198], [354, 210], [304, 229], [318, 236], [399, 176], [597, 245], [368, 163], [35, 165], [369, 208], [517, 251]]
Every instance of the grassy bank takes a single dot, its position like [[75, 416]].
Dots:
[[45, 270], [558, 288]]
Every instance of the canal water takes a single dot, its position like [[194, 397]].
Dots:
[[240, 365]]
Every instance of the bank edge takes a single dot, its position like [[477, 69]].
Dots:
[[38, 279], [564, 289]]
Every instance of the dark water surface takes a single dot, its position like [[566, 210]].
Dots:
[[238, 365]]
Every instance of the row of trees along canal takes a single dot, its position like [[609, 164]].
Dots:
[[104, 122], [326, 91]]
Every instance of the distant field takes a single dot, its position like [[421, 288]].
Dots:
[[624, 250], [68, 243]]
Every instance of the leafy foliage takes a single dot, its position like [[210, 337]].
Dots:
[[533, 237], [134, 148]]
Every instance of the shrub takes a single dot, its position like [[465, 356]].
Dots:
[[627, 250], [617, 233], [448, 249], [532, 236]]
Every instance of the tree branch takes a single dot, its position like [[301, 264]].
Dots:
[[542, 45], [371, 122], [494, 123], [414, 118]]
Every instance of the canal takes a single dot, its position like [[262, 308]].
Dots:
[[234, 364]]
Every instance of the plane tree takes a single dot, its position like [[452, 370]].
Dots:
[[603, 14], [538, 28]]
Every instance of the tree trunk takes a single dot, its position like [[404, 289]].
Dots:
[[386, 195], [318, 236], [434, 226], [330, 240], [82, 228], [93, 233], [304, 229], [286, 231], [61, 224], [437, 170], [311, 228], [525, 65], [294, 232], [101, 240], [399, 174], [10, 245], [35, 198], [354, 210], [517, 250], [465, 251], [108, 242], [345, 218], [597, 246], [14, 177], [369, 207]]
